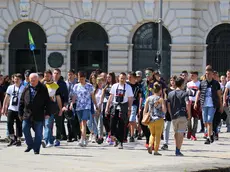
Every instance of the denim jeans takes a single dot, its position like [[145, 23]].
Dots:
[[99, 124], [48, 131], [92, 125], [35, 143], [166, 132], [208, 114]]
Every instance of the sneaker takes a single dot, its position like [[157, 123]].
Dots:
[[90, 137], [49, 145], [111, 142], [84, 143], [150, 151], [212, 138], [157, 153], [18, 143], [164, 147], [43, 143], [57, 143], [93, 138], [179, 154], [12, 142], [189, 134], [116, 143], [131, 139], [108, 140], [193, 138], [120, 146], [80, 143], [207, 142], [139, 137], [69, 140]]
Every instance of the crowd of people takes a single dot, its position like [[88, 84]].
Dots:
[[114, 109]]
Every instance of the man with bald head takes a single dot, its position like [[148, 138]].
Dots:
[[32, 109]]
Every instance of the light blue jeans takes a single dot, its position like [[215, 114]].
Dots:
[[208, 114], [98, 119], [92, 125], [166, 132], [48, 130]]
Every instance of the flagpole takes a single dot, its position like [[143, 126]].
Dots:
[[36, 67]]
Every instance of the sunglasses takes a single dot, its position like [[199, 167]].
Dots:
[[148, 74]]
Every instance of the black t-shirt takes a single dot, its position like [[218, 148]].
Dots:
[[177, 100], [136, 91]]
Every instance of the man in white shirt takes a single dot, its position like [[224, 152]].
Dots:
[[192, 88], [10, 107], [121, 96]]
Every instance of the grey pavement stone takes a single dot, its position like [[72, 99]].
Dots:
[[104, 158]]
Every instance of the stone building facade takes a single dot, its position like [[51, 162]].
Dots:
[[114, 35]]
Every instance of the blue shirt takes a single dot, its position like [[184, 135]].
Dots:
[[83, 96]]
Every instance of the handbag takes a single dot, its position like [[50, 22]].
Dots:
[[146, 118]]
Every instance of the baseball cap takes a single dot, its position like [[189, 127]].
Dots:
[[138, 73]]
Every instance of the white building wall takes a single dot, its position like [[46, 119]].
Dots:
[[188, 22]]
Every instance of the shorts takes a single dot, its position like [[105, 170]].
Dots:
[[133, 114], [208, 114], [83, 115], [180, 124]]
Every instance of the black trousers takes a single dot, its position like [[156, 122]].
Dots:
[[216, 121], [106, 119], [12, 116], [58, 121], [144, 128], [117, 124], [73, 126]]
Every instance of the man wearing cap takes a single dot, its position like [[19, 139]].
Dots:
[[139, 77], [26, 74]]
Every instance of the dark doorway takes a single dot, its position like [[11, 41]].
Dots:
[[89, 48], [145, 42], [218, 49], [20, 56]]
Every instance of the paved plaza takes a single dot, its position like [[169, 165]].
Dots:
[[104, 158]]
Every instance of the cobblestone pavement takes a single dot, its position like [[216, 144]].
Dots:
[[104, 158]]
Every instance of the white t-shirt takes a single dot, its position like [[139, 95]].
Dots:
[[98, 98], [193, 87], [119, 89], [208, 98], [12, 91]]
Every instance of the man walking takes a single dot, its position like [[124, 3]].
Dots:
[[178, 104], [121, 95], [210, 98], [34, 102]]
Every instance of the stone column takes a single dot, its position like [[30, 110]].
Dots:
[[130, 57], [118, 58], [188, 57], [4, 52], [62, 48]]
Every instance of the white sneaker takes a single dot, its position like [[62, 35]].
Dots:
[[90, 137], [49, 145], [84, 143], [93, 139], [80, 143]]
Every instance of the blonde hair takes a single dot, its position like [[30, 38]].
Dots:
[[156, 87]]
